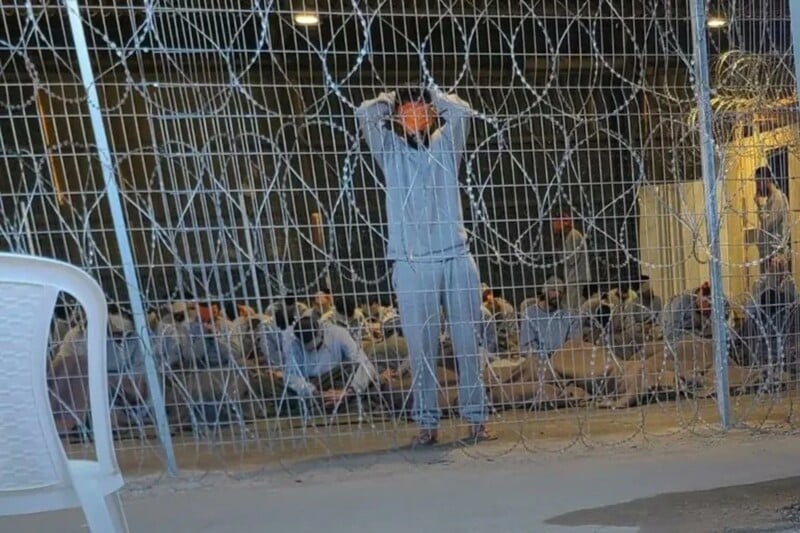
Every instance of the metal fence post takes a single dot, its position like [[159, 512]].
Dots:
[[702, 90], [120, 230]]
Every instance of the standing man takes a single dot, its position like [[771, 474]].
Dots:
[[572, 257], [428, 244], [773, 217]]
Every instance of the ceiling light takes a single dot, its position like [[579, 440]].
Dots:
[[306, 19], [716, 22]]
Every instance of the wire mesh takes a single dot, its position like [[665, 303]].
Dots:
[[252, 198]]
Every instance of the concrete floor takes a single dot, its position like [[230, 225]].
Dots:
[[649, 488]]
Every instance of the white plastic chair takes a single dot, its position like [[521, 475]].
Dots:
[[35, 474]]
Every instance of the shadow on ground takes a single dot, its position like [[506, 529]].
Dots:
[[757, 508]]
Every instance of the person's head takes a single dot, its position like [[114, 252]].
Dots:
[[644, 285], [323, 300], [415, 113], [551, 294], [208, 315], [764, 179], [487, 295], [309, 333], [562, 222], [703, 299], [120, 323], [623, 290]]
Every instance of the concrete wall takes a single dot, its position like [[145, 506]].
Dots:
[[676, 255]]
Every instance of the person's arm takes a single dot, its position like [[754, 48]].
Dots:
[[372, 116], [529, 342], [294, 378], [772, 216], [365, 373], [457, 115]]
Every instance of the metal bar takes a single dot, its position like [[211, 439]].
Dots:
[[55, 177], [120, 231], [794, 14], [702, 88]]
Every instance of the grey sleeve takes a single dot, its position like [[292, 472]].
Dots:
[[772, 217], [371, 115], [529, 341], [456, 114], [294, 378], [365, 372]]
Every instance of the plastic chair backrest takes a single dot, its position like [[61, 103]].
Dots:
[[31, 454]]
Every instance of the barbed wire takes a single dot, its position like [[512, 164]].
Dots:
[[231, 125]]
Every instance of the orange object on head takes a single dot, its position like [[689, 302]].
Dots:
[[415, 116], [207, 313]]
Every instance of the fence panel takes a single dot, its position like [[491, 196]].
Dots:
[[248, 188]]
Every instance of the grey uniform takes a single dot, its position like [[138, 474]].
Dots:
[[769, 328], [773, 224], [680, 317], [543, 332], [338, 348], [575, 263], [428, 244]]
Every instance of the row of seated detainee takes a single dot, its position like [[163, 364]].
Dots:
[[332, 350]]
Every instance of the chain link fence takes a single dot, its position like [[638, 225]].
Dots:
[[626, 186]]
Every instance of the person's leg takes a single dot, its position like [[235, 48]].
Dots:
[[463, 306], [417, 287]]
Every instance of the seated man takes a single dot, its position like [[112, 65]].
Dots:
[[384, 319], [767, 314], [209, 334], [778, 278], [596, 315], [68, 377], [635, 321], [501, 327], [650, 306], [546, 325], [345, 312], [323, 302], [323, 360], [688, 314]]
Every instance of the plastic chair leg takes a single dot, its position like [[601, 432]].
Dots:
[[103, 514]]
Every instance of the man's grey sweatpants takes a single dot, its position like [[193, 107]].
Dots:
[[422, 288]]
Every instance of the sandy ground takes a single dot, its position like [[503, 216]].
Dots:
[[682, 483]]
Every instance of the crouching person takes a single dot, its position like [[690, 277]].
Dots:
[[324, 362]]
